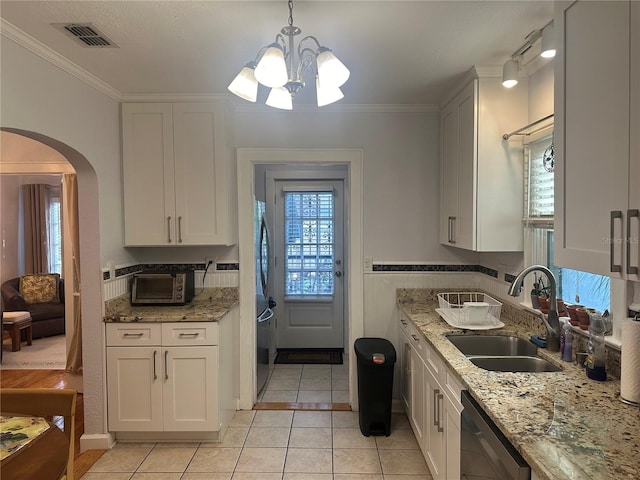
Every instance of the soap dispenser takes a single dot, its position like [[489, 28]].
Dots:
[[595, 364], [566, 343]]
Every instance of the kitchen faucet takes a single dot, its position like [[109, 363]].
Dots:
[[551, 321]]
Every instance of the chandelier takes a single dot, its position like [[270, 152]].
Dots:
[[283, 68]]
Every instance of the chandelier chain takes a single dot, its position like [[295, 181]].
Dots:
[[291, 13]]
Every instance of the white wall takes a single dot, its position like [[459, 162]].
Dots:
[[40, 97]]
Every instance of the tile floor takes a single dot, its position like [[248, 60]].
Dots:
[[308, 383], [270, 445]]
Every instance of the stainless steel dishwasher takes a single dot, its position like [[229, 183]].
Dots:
[[484, 451]]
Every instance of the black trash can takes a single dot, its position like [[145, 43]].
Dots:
[[376, 358]]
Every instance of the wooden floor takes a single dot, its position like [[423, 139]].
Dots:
[[54, 379]]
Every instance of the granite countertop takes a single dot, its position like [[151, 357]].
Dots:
[[208, 305], [565, 425]]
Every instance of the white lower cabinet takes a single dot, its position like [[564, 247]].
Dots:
[[164, 377], [430, 394]]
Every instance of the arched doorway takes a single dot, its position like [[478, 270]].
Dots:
[[17, 145]]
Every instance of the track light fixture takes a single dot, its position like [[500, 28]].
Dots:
[[547, 50], [283, 68]]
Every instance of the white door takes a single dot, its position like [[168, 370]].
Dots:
[[309, 263]]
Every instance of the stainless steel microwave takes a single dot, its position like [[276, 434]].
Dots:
[[162, 288]]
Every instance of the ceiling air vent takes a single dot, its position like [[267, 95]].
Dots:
[[87, 34]]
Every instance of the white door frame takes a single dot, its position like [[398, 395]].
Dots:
[[247, 158]]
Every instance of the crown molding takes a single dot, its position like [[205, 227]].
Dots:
[[12, 32], [343, 108], [172, 97]]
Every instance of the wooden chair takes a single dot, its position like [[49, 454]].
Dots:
[[44, 402]]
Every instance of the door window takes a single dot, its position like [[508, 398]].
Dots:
[[309, 243]]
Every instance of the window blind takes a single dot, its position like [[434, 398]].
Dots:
[[538, 185]]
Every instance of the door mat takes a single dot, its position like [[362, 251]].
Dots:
[[329, 356]]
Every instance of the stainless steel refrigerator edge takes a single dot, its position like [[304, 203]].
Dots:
[[264, 303]]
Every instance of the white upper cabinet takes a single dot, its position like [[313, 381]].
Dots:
[[178, 177], [596, 137], [481, 196]]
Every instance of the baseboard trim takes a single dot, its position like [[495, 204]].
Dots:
[[302, 406], [97, 441]]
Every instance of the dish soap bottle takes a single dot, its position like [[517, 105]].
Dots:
[[566, 342], [595, 365]]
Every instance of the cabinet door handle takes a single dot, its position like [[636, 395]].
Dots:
[[135, 335], [155, 374], [403, 322], [169, 229], [191, 335], [415, 338], [166, 365], [440, 397], [450, 232], [633, 213], [613, 267], [436, 420], [180, 229]]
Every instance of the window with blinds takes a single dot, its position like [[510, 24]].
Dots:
[[309, 243], [538, 184]]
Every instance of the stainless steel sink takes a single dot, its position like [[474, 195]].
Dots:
[[502, 353], [514, 364], [493, 345]]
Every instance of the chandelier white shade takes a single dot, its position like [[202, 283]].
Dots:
[[283, 68], [327, 95], [271, 70], [279, 97], [245, 84]]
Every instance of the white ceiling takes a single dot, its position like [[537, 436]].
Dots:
[[399, 52]]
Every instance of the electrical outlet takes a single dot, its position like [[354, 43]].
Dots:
[[502, 269], [368, 264]]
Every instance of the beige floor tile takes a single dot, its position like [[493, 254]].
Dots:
[[304, 418], [356, 476], [242, 418], [273, 418], [401, 462], [340, 396], [233, 437], [351, 438], [310, 437], [317, 372], [279, 396], [340, 382], [353, 460], [106, 476], [206, 476], [399, 420], [308, 460], [345, 419], [286, 373], [283, 383], [121, 459], [256, 476], [268, 437], [167, 459], [307, 476], [314, 396], [215, 460], [398, 440], [426, 476], [157, 476], [261, 460], [315, 383], [287, 366]]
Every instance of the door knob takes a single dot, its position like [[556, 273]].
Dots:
[[338, 274]]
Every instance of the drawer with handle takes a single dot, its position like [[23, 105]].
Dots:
[[133, 334], [189, 333]]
